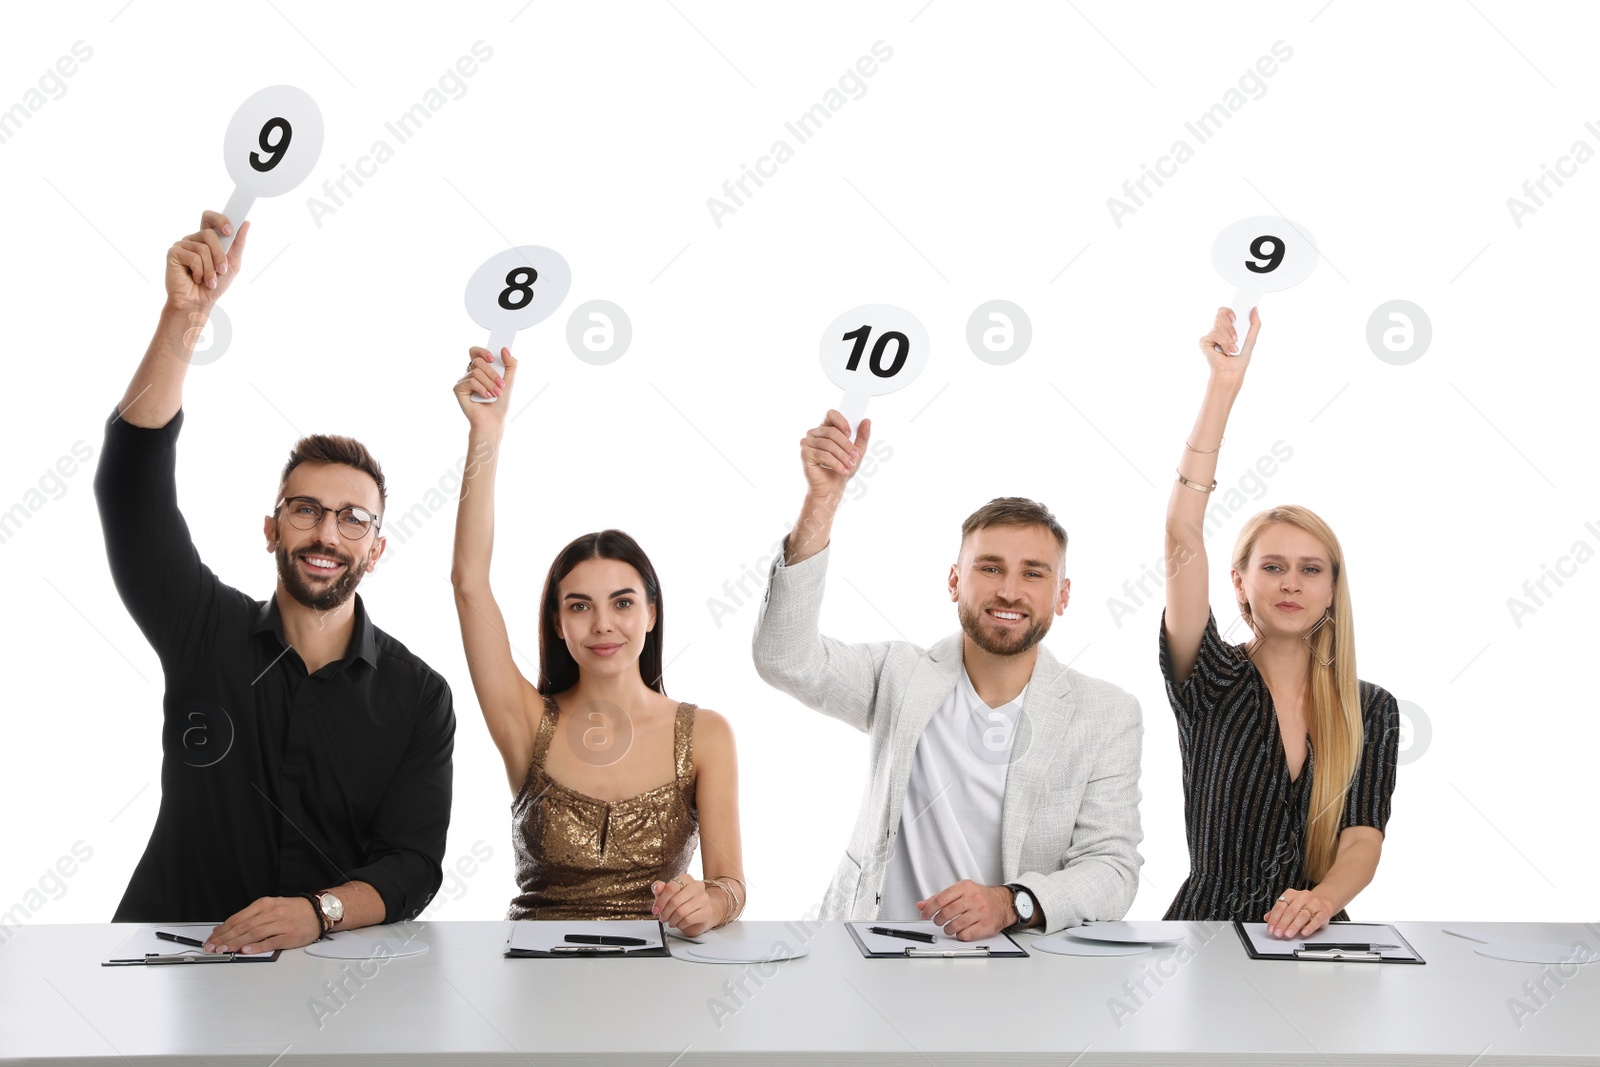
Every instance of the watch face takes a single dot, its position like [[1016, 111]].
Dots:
[[1024, 904], [332, 907]]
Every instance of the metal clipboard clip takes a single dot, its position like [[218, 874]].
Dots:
[[948, 953], [1354, 955], [589, 950], [189, 957]]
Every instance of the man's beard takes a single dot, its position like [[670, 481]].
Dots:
[[332, 595], [972, 622]]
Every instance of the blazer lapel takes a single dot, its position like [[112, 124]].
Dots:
[[1035, 758]]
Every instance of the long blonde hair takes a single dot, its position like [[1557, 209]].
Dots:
[[1335, 719]]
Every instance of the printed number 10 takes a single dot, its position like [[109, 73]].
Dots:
[[875, 361]]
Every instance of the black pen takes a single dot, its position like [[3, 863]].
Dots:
[[603, 939], [180, 939], [1318, 946], [909, 935]]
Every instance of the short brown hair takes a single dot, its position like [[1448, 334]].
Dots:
[[334, 448], [1014, 511]]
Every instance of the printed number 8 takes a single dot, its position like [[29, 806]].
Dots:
[[1273, 258], [272, 154], [523, 285]]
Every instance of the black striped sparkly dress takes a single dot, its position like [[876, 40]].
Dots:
[[1244, 817]]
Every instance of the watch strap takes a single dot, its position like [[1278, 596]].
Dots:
[[322, 920], [1017, 889]]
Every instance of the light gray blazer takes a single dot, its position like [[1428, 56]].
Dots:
[[1069, 821]]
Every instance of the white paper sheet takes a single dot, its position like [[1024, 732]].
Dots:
[[546, 936], [1334, 934], [898, 945]]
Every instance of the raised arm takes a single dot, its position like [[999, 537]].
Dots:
[[505, 696], [1188, 595], [198, 273], [790, 653], [169, 592]]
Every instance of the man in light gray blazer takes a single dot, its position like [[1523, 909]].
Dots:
[[1005, 786]]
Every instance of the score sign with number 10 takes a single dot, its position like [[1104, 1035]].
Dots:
[[870, 351]]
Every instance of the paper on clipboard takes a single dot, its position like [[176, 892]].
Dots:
[[881, 945], [548, 936], [1387, 943], [144, 942]]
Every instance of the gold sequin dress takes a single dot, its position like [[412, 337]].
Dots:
[[579, 857]]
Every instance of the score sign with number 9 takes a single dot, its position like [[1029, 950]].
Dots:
[[272, 143], [1259, 255], [872, 350]]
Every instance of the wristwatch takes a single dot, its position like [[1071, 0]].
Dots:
[[331, 908], [1022, 901]]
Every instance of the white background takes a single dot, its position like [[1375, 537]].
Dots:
[[977, 165]]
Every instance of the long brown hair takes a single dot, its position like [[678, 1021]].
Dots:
[[1335, 719], [558, 671]]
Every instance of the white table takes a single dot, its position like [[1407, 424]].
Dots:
[[463, 1003]]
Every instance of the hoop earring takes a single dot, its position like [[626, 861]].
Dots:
[[1327, 616]]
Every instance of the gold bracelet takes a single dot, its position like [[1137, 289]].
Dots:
[[1196, 486], [1204, 452], [735, 905]]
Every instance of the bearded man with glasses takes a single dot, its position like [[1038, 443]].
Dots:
[[306, 754]]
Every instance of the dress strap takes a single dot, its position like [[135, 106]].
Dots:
[[547, 730], [683, 744]]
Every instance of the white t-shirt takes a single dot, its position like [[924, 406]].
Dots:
[[950, 824]]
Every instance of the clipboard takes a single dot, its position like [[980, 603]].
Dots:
[[875, 947], [1341, 941], [544, 939], [144, 948]]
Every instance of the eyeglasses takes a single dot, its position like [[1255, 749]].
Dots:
[[306, 514]]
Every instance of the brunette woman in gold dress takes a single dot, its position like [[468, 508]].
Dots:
[[613, 782]]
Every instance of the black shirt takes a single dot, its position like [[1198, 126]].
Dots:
[[273, 782], [1244, 817]]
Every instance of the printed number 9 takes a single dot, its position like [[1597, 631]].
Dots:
[[875, 362], [1273, 258], [272, 154], [516, 284]]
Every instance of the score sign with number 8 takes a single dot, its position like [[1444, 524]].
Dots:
[[512, 291], [870, 351], [1263, 254], [273, 141]]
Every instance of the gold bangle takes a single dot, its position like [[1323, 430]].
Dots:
[[1205, 451], [1196, 486], [735, 905]]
